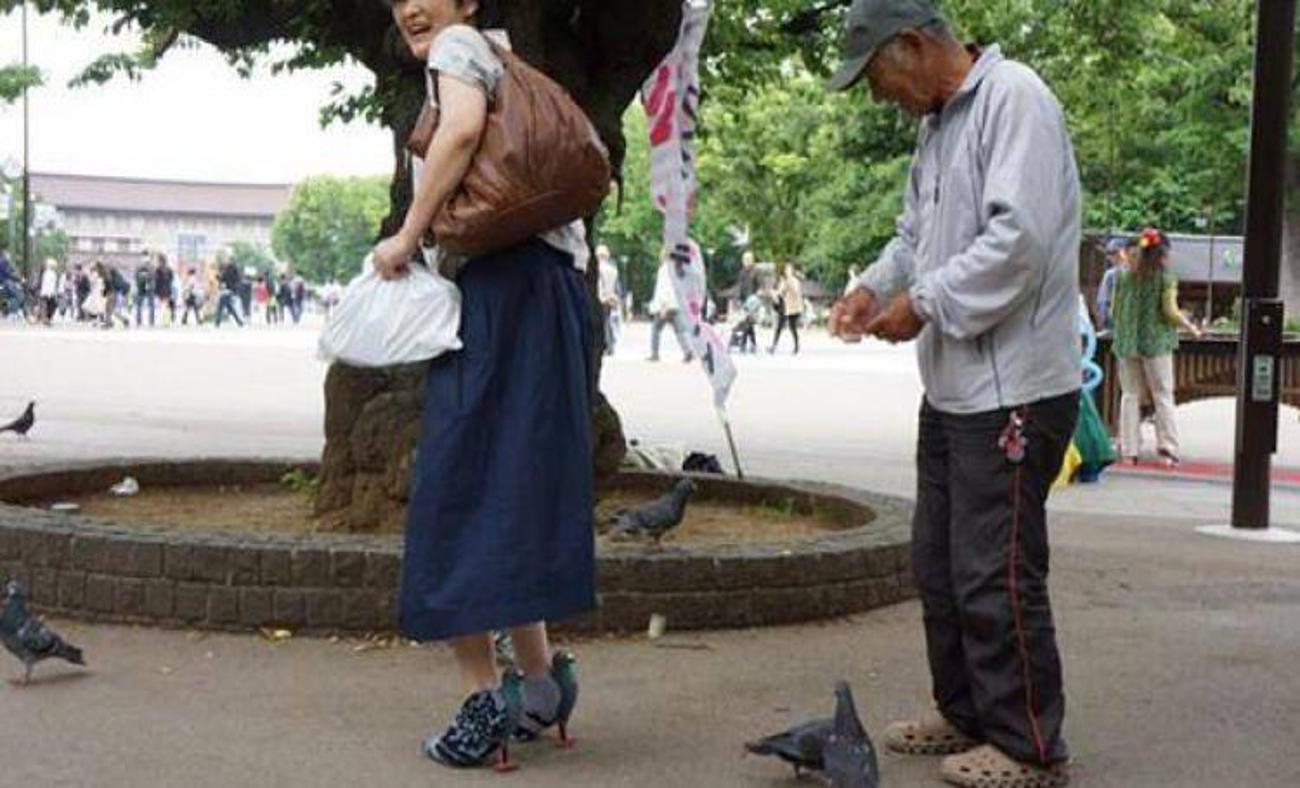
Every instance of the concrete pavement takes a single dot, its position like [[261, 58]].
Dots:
[[1179, 650]]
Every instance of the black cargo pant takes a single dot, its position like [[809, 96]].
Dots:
[[980, 555]]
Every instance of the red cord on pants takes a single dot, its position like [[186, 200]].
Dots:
[[1015, 614]]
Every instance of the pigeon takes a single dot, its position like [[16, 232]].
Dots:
[[28, 638], [838, 746], [803, 746], [655, 518], [849, 757], [565, 672], [23, 423], [564, 667]]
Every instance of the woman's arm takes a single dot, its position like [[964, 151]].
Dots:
[[1175, 315], [463, 116]]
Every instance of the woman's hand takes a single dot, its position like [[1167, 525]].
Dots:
[[392, 256]]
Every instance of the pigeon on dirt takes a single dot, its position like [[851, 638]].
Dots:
[[803, 746], [24, 423], [655, 518], [849, 757], [27, 637]]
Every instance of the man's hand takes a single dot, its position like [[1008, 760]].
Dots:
[[898, 323], [851, 314], [392, 255]]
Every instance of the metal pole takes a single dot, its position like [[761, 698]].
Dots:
[[1209, 295], [1262, 316], [27, 179], [731, 443]]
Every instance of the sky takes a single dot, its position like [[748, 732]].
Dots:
[[192, 118]]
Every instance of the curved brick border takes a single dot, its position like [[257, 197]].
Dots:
[[89, 568]]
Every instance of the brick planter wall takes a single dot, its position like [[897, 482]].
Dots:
[[92, 569]]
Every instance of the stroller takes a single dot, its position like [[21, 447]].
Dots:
[[743, 334]]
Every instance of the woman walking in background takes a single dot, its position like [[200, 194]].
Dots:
[[1146, 319], [789, 299], [499, 528]]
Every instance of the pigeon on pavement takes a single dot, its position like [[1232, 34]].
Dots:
[[655, 518], [850, 757], [24, 423], [802, 746], [27, 638]]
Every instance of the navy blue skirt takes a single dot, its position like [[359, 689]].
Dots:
[[499, 527]]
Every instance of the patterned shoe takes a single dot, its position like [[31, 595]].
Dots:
[[930, 735], [564, 671], [989, 767], [478, 734]]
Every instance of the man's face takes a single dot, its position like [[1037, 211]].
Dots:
[[900, 73]]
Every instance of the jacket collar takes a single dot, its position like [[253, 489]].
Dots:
[[985, 61]]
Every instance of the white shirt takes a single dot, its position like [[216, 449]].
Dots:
[[49, 283], [608, 283]]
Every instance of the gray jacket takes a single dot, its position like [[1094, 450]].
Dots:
[[988, 244]]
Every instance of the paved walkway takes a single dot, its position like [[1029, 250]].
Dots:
[[1180, 650]]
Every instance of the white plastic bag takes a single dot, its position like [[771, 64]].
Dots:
[[380, 323]]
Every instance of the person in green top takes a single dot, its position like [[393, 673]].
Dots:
[[1146, 318]]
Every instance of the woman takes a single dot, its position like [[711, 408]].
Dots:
[[194, 298], [499, 529], [51, 284], [95, 305], [261, 298], [1146, 319], [789, 299]]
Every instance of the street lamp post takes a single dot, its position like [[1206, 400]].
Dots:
[[27, 179], [1262, 314]]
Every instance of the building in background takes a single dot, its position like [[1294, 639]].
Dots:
[[117, 220]]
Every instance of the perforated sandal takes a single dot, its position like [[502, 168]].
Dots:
[[930, 735], [988, 767]]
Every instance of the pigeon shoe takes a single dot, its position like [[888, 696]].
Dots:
[[479, 733], [548, 702], [932, 734]]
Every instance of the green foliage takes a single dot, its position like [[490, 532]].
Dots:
[[46, 241], [1156, 93], [246, 255], [330, 225], [634, 231], [15, 79], [302, 483]]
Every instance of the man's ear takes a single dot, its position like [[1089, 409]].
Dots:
[[910, 43]]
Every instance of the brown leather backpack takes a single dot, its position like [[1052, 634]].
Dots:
[[540, 165]]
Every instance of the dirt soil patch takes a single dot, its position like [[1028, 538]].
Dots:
[[273, 508], [256, 508], [713, 524]]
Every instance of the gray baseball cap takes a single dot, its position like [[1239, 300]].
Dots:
[[872, 23]]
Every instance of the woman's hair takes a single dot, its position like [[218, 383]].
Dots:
[[1153, 247]]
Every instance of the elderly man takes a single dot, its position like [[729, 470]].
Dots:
[[983, 272]]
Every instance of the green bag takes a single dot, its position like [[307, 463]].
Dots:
[[1092, 439]]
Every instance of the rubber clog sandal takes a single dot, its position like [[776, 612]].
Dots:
[[988, 767], [930, 735]]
